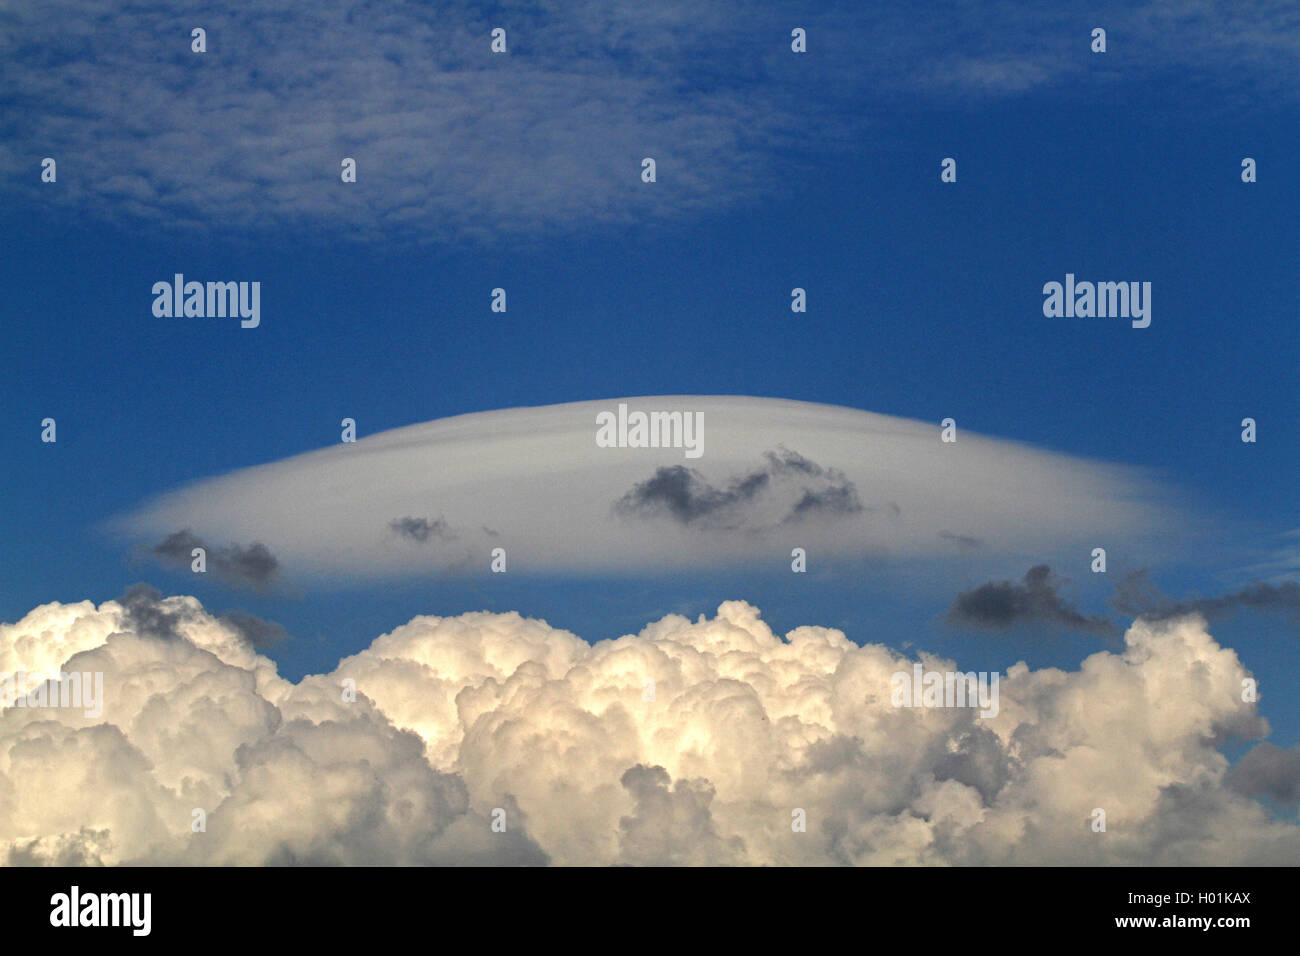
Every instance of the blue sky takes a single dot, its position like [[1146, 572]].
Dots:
[[775, 170]]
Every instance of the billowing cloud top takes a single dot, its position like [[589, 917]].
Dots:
[[688, 743], [773, 475]]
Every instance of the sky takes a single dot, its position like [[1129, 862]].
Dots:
[[775, 170]]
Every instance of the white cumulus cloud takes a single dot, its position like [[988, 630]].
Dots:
[[692, 742]]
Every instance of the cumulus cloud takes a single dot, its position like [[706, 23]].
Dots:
[[999, 605], [774, 474], [1268, 771], [691, 742], [671, 824], [258, 633], [147, 614], [195, 718]]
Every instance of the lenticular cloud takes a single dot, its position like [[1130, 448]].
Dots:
[[543, 484], [688, 743]]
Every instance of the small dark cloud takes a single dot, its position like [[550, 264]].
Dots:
[[684, 495], [252, 567], [964, 540], [838, 495], [999, 605], [838, 500], [147, 616], [257, 632], [422, 529], [1268, 771], [1137, 596]]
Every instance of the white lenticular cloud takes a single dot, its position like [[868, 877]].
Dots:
[[456, 719], [773, 474]]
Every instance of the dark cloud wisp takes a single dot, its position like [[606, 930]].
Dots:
[[785, 489], [421, 529], [253, 566], [1137, 596], [1001, 605]]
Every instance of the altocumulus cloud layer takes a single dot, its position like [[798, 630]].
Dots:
[[450, 140], [774, 474], [453, 142], [457, 716]]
